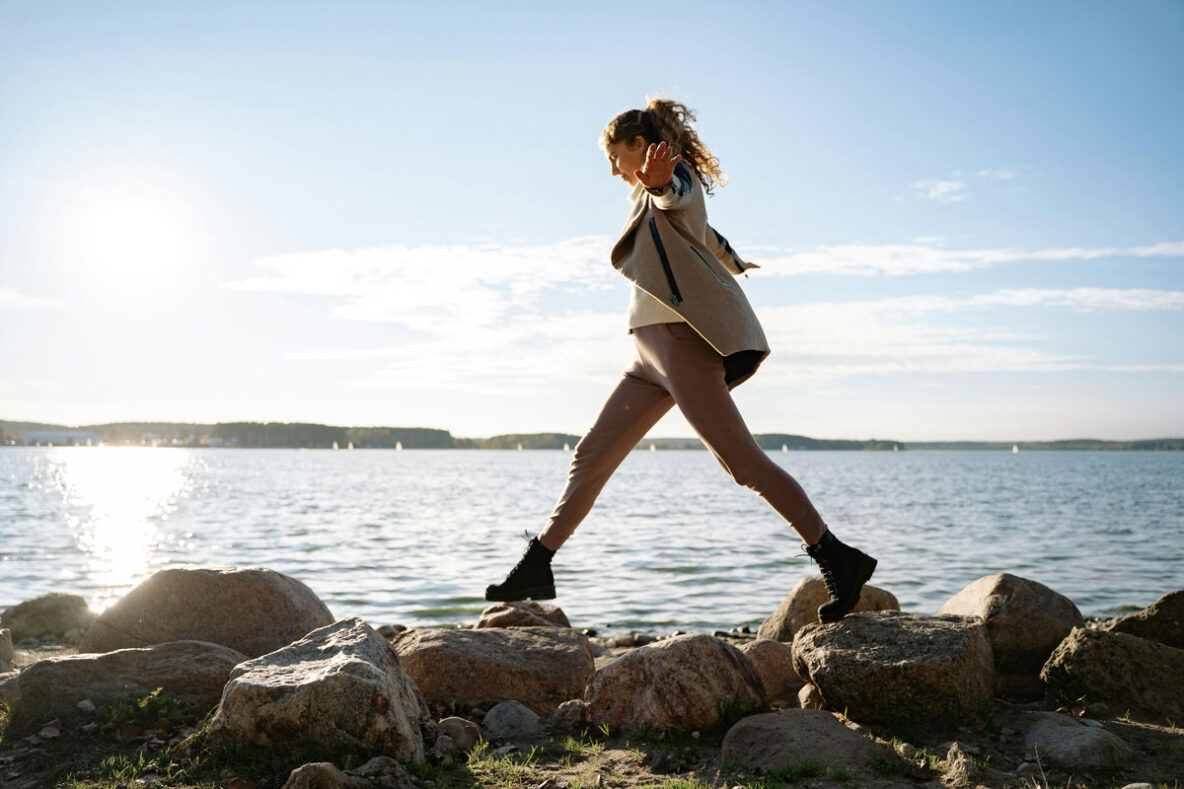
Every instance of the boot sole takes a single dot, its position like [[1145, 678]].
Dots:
[[867, 566], [528, 593]]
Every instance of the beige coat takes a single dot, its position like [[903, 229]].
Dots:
[[668, 250]]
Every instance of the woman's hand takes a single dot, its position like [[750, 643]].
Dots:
[[658, 169]]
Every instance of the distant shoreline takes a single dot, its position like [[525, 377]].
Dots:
[[303, 435]]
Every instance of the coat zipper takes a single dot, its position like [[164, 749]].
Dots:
[[675, 296]]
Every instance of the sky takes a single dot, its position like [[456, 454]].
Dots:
[[969, 216]]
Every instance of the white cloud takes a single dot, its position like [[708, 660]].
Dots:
[[904, 259], [940, 190], [431, 287], [999, 174]]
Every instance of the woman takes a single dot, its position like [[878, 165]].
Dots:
[[696, 338]]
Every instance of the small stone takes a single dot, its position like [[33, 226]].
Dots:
[[511, 720], [89, 727], [907, 750], [1091, 722], [1027, 768], [1138, 786], [1008, 732], [87, 706], [505, 749]]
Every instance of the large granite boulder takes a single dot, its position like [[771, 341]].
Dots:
[[1162, 621], [51, 615], [892, 667], [800, 607], [522, 614], [338, 692], [774, 662], [1025, 621], [253, 610], [541, 667], [778, 740], [1124, 671], [192, 671], [1069, 743], [685, 683]]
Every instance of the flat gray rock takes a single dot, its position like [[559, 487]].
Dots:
[[782, 739], [892, 667], [192, 671], [510, 720], [1067, 742]]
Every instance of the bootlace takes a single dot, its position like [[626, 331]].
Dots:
[[828, 576]]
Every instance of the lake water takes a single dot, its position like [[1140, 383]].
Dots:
[[413, 537]]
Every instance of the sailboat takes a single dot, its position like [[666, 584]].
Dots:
[[335, 445], [398, 446], [653, 448], [785, 447], [519, 446], [1015, 449], [351, 445], [566, 447]]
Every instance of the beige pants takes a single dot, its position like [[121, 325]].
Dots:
[[675, 366]]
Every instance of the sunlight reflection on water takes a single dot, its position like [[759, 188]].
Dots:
[[414, 537]]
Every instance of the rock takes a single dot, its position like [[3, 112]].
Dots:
[[253, 610], [537, 666], [960, 770], [389, 631], [570, 715], [810, 699], [49, 615], [381, 772], [8, 686], [800, 607], [1162, 621], [522, 614], [510, 720], [1124, 671], [1064, 741], [192, 671], [777, 740], [892, 667], [7, 653], [687, 682], [631, 639], [1138, 786], [774, 662], [1025, 621], [336, 693], [463, 733]]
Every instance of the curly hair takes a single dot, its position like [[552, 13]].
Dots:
[[667, 121]]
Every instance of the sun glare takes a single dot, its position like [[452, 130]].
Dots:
[[117, 496], [133, 233]]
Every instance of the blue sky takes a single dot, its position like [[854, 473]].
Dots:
[[969, 216]]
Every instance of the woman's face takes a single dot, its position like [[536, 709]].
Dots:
[[625, 157]]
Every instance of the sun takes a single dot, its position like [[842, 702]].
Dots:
[[134, 233]]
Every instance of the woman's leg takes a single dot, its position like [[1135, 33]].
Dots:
[[630, 411], [694, 374]]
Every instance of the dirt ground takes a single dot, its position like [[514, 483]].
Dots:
[[590, 757]]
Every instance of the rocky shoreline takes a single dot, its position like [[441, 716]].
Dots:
[[243, 678]]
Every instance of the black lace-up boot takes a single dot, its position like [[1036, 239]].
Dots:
[[844, 571], [531, 577]]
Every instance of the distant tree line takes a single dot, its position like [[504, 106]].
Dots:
[[307, 435]]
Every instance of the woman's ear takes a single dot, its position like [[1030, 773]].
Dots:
[[638, 142]]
